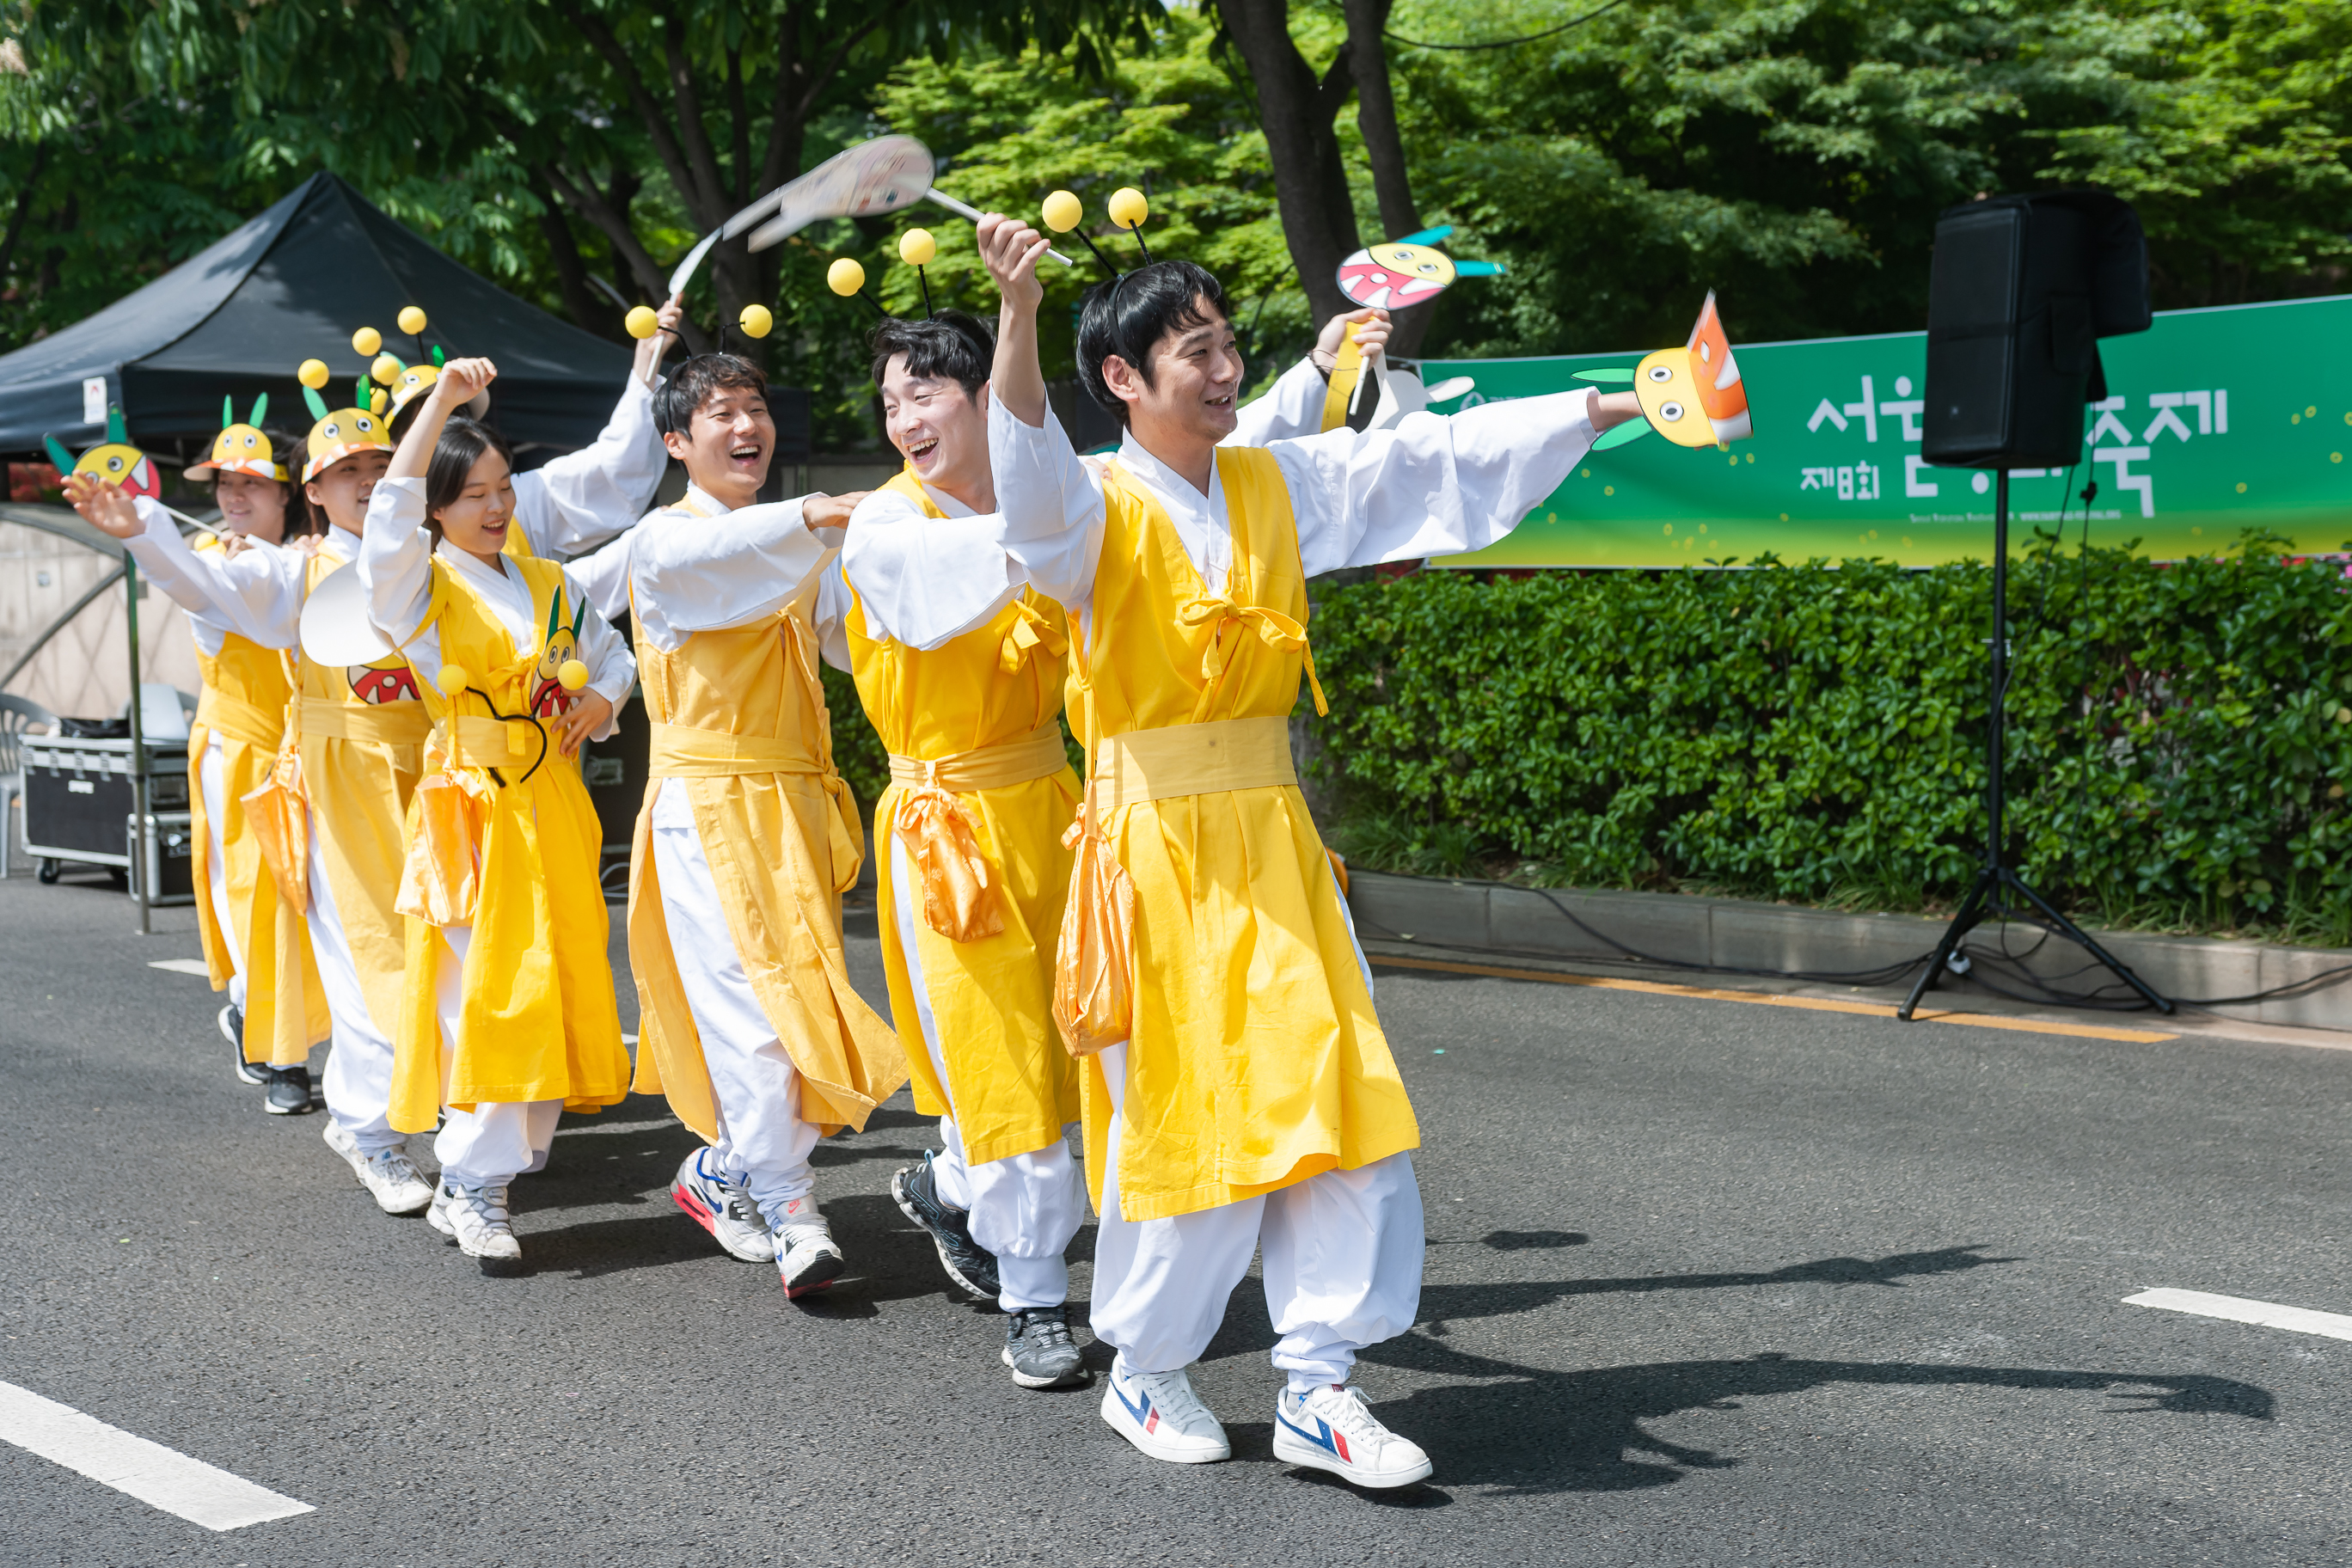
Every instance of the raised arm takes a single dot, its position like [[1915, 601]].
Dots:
[[574, 503], [395, 563], [1293, 406], [1434, 485], [257, 592]]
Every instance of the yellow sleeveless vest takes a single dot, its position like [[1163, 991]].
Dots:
[[738, 716], [243, 705], [1254, 1058], [992, 873], [503, 839]]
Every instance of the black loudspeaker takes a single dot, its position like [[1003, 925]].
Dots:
[[2022, 289]]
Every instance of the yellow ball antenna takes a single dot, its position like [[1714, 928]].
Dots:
[[386, 369], [453, 679], [571, 673], [1063, 212], [642, 322], [845, 277], [917, 247], [411, 320], [313, 374], [757, 320], [366, 341], [1130, 207]]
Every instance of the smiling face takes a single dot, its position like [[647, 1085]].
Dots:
[[343, 490], [1196, 377], [476, 521], [251, 505], [727, 444], [939, 428]]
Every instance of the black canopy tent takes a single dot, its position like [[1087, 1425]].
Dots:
[[293, 284]]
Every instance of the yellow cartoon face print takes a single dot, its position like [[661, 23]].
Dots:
[[1669, 395], [556, 684]]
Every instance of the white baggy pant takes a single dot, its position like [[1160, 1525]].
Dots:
[[211, 775], [496, 1142], [1343, 1256], [358, 1079], [1025, 1208], [762, 1141]]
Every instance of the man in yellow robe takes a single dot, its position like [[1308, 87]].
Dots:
[[746, 1019], [1241, 1094], [960, 666]]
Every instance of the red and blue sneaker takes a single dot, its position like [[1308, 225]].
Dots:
[[1330, 1428], [724, 1208], [1159, 1413]]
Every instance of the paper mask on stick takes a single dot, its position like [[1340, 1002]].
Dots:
[[865, 181], [113, 458], [1692, 396], [1408, 271]]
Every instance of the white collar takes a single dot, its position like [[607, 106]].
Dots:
[[946, 502], [1187, 508], [340, 543]]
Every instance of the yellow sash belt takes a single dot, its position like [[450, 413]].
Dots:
[[684, 752], [472, 741], [959, 900], [389, 725], [1190, 759], [234, 719]]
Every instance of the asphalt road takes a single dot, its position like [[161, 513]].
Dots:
[[1707, 1283]]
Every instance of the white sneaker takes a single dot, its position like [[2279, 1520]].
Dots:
[[806, 1258], [723, 1208], [1159, 1413], [388, 1175], [1332, 1429], [475, 1219]]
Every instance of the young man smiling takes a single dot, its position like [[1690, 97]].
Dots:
[[960, 666], [1246, 1098], [748, 838]]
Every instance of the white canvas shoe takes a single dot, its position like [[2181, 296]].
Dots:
[[1332, 1429], [388, 1175], [475, 1219], [806, 1257], [1159, 1413], [725, 1209]]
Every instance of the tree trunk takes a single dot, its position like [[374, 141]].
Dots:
[[1310, 182], [581, 301], [1368, 63]]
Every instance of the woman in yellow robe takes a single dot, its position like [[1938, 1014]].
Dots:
[[507, 1013]]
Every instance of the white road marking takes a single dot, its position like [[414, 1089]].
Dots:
[[2239, 1309], [194, 966], [147, 1471]]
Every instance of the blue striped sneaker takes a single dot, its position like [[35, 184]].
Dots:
[[1332, 1429]]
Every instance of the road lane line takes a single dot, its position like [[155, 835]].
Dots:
[[153, 1474], [2239, 1309], [194, 966], [1774, 999]]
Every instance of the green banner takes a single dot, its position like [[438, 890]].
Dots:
[[2219, 419]]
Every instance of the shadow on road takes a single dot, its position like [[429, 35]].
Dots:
[[1539, 1432]]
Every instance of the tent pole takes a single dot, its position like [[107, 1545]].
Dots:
[[138, 751]]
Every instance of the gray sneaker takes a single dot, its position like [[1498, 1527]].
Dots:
[[1039, 1350]]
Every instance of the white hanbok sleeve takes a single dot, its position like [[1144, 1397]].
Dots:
[[925, 581], [1434, 485], [1292, 406], [256, 594], [601, 577], [1049, 505], [612, 668], [701, 574], [574, 503], [395, 563]]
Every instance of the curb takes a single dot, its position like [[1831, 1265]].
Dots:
[[1683, 931]]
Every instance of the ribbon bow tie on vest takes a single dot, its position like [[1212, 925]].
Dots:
[[1274, 629], [1032, 630]]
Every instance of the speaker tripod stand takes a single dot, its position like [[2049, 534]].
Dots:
[[1997, 882]]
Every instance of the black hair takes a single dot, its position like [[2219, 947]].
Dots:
[[1130, 315], [691, 385], [463, 442], [950, 344]]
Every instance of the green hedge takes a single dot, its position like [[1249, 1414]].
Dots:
[[2181, 736]]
